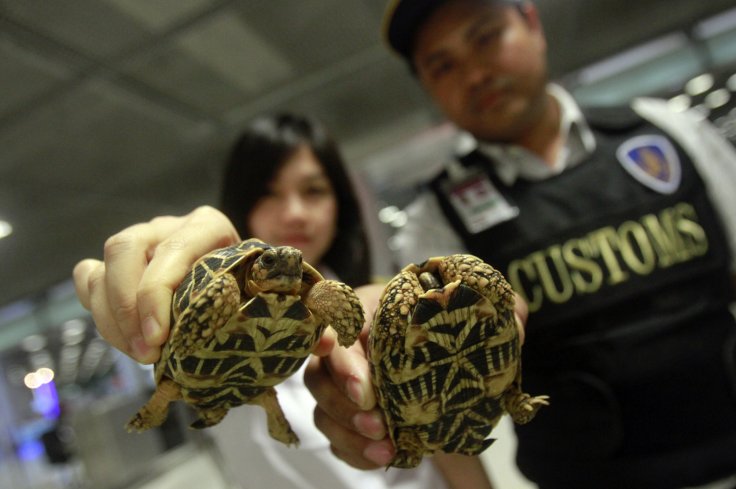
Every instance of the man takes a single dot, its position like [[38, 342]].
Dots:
[[616, 227]]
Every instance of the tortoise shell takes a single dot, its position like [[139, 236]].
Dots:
[[445, 354], [244, 319]]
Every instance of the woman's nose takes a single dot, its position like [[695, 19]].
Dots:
[[294, 207]]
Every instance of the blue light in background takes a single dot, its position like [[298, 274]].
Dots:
[[46, 401]]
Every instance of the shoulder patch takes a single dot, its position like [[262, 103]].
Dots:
[[653, 161]]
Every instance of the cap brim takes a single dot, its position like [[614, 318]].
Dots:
[[401, 20]]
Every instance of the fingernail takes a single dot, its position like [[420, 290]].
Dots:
[[151, 329], [370, 425], [355, 390], [380, 452]]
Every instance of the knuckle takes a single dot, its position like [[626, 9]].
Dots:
[[119, 243], [161, 220], [206, 212], [147, 291], [319, 417], [126, 310], [213, 218], [96, 279], [173, 245]]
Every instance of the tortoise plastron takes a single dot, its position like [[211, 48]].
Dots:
[[445, 357]]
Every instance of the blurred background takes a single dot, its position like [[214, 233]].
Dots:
[[114, 111]]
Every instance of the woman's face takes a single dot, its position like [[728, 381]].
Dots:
[[300, 209]]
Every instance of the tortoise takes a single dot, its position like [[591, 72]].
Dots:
[[244, 319], [444, 354]]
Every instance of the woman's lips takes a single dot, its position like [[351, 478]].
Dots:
[[296, 241]]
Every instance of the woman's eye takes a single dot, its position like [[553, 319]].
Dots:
[[316, 192]]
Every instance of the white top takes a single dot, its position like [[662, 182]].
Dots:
[[254, 460], [428, 233]]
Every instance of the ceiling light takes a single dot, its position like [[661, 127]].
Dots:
[[700, 84], [73, 331], [631, 58], [33, 343], [718, 24], [717, 98], [45, 375], [731, 83], [392, 216], [679, 103], [387, 214], [32, 380], [42, 376], [5, 229]]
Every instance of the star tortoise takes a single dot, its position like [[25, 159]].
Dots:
[[243, 320], [444, 354]]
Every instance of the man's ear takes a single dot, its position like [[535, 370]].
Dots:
[[531, 15]]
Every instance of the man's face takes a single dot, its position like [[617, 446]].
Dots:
[[484, 64]]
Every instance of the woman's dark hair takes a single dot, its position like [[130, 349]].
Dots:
[[256, 158]]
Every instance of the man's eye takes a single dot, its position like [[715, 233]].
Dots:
[[488, 37], [439, 70]]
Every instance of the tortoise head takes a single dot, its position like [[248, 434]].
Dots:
[[277, 269]]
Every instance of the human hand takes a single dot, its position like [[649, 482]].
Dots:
[[129, 293], [346, 404], [346, 411], [521, 312]]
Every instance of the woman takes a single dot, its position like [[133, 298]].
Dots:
[[286, 184]]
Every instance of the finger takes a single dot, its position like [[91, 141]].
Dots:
[[369, 296], [202, 231], [349, 370], [126, 258], [356, 451], [336, 405], [105, 321], [521, 313], [327, 394], [325, 343], [81, 273]]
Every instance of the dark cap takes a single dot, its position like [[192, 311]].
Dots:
[[403, 17]]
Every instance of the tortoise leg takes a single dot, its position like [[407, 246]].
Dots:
[[155, 411], [208, 417], [477, 274], [208, 312], [521, 406], [409, 449], [278, 426], [336, 304]]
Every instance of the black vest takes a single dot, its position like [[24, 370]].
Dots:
[[629, 329]]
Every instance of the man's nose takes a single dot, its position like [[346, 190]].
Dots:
[[475, 72]]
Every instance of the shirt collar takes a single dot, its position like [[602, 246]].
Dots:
[[512, 161]]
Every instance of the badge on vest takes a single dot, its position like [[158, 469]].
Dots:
[[653, 161], [477, 201]]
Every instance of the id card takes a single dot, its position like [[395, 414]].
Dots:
[[477, 201]]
